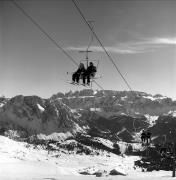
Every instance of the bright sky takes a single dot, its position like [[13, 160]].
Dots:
[[140, 36]]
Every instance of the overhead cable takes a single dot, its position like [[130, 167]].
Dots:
[[43, 31]]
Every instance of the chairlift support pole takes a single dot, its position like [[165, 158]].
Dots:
[[173, 169], [87, 56], [87, 51]]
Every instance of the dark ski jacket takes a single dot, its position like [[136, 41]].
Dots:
[[81, 71], [143, 135], [91, 70], [148, 134]]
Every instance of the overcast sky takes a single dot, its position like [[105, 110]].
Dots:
[[139, 34]]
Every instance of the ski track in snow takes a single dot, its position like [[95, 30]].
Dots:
[[21, 161]]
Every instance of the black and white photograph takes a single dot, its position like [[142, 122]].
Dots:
[[87, 89]]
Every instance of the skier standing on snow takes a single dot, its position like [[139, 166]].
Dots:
[[143, 136], [148, 136]]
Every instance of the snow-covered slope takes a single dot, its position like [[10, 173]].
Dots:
[[151, 119], [21, 161]]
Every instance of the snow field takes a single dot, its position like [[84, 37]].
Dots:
[[21, 161]]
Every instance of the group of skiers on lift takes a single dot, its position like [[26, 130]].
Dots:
[[146, 137], [84, 74]]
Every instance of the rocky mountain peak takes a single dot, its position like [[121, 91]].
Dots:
[[118, 102], [36, 115]]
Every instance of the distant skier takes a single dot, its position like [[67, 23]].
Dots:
[[143, 136], [148, 136]]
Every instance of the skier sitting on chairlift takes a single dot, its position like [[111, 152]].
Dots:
[[90, 72], [77, 75]]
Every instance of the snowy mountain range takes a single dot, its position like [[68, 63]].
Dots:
[[119, 102], [33, 115], [120, 115], [113, 115]]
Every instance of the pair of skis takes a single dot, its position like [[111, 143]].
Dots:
[[78, 84]]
